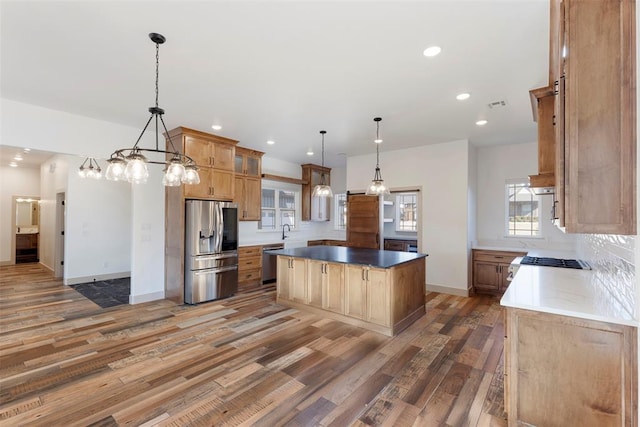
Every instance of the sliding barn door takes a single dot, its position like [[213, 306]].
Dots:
[[363, 221]]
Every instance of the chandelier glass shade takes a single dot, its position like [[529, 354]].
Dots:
[[377, 186], [130, 164], [322, 189], [92, 170]]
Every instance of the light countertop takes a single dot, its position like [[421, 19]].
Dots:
[[564, 291]]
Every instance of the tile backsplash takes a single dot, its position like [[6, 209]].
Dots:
[[612, 258]]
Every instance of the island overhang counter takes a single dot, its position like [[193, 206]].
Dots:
[[382, 291]]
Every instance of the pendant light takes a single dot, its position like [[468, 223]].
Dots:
[[322, 189], [91, 171], [131, 165], [377, 186]]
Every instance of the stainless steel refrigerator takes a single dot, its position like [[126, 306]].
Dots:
[[211, 250]]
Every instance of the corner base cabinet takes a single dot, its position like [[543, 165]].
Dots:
[[381, 299], [567, 371], [490, 270]]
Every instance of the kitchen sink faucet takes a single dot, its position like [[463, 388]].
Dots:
[[288, 227]]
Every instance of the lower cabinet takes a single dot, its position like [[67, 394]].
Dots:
[[292, 280], [249, 267], [490, 270], [325, 285], [564, 371], [367, 294]]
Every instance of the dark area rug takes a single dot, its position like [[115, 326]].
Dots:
[[106, 293]]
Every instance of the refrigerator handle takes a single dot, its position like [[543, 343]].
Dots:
[[219, 227]]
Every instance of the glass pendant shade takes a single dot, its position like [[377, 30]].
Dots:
[[175, 170], [136, 171], [82, 172], [191, 175], [322, 189], [91, 171], [377, 186], [115, 170]]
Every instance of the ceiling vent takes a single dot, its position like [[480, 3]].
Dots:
[[497, 104]]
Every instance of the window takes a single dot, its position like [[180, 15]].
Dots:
[[340, 212], [279, 207], [523, 206], [406, 212]]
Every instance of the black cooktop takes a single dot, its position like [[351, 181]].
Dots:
[[555, 262]]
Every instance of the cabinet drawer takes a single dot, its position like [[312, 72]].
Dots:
[[249, 251], [495, 256], [254, 274], [249, 263]]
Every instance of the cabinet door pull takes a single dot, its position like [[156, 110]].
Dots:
[[556, 84]]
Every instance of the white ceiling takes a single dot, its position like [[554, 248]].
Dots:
[[284, 70]]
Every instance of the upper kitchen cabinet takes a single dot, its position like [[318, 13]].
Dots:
[[595, 111], [542, 103], [315, 208], [248, 169], [214, 156]]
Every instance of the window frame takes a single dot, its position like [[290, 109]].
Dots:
[[337, 215], [397, 213], [523, 183], [278, 211]]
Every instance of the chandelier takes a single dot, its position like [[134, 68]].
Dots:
[[130, 164], [92, 170], [377, 186], [322, 189]]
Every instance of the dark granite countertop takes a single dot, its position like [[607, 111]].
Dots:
[[371, 257]]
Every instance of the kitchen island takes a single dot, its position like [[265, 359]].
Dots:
[[382, 291]]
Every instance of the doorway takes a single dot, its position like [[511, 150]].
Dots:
[[58, 269], [25, 226]]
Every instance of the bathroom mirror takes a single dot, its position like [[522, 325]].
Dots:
[[27, 215]]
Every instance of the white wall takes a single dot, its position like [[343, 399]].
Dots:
[[14, 182], [441, 172], [53, 180], [495, 165]]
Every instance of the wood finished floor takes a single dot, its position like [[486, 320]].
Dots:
[[242, 361]]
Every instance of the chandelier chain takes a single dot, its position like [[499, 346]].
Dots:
[[157, 70]]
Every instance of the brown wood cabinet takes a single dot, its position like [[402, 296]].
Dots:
[[594, 76], [248, 185], [315, 208], [249, 267], [27, 247], [562, 371], [367, 294], [542, 101], [326, 242], [214, 156], [292, 279], [364, 227], [385, 300], [325, 285], [490, 270]]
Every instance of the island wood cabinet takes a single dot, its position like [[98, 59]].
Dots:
[[593, 67], [248, 183], [490, 270], [384, 300], [325, 285], [315, 208], [292, 279], [249, 267], [564, 371], [367, 294], [214, 156]]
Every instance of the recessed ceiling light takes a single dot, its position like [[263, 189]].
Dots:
[[377, 141], [463, 96], [432, 51], [216, 127], [481, 122], [26, 150], [270, 142], [13, 164], [17, 157], [309, 152]]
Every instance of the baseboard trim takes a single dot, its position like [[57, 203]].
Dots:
[[9, 262], [88, 279], [448, 290], [153, 296]]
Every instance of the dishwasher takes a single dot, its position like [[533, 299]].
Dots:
[[270, 262]]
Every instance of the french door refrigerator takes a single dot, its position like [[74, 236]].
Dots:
[[211, 250]]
